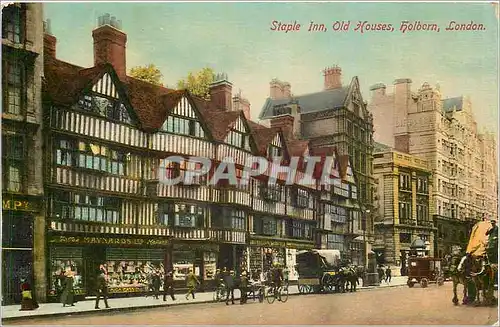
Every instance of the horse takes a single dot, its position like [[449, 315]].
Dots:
[[483, 276], [350, 279], [458, 276]]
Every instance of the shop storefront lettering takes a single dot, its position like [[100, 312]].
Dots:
[[126, 289], [107, 240], [16, 205], [268, 243]]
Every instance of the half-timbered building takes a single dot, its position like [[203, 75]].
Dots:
[[109, 142]]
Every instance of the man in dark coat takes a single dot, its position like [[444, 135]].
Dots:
[[168, 286], [230, 281], [156, 281], [492, 246], [388, 274], [102, 289]]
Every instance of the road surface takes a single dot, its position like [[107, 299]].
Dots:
[[399, 305]]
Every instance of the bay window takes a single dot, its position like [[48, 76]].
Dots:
[[266, 226], [335, 242], [298, 229]]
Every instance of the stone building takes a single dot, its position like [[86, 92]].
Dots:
[[336, 116], [404, 185], [444, 133], [23, 224], [107, 144]]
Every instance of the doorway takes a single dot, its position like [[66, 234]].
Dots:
[[17, 268], [93, 256]]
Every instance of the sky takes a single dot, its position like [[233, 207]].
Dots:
[[236, 38]]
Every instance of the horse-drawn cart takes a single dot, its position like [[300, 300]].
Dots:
[[424, 270], [318, 271]]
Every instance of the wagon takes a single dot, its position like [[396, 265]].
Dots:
[[424, 270], [318, 271]]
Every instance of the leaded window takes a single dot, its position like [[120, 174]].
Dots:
[[184, 126], [181, 215], [335, 242], [12, 23], [86, 207], [13, 162], [14, 86], [104, 106]]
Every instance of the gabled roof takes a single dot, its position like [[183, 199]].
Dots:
[[263, 136], [64, 83], [313, 102], [453, 104]]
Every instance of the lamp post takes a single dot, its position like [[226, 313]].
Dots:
[[367, 211]]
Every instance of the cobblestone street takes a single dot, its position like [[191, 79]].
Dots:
[[399, 305]]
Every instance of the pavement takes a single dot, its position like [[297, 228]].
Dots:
[[11, 312]]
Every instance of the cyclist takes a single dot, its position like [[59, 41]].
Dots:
[[277, 279]]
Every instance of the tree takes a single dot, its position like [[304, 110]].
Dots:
[[149, 73], [198, 83]]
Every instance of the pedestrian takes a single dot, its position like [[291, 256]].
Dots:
[[230, 281], [243, 288], [67, 297], [380, 274], [156, 281], [101, 289], [168, 285], [27, 301], [277, 279], [388, 274], [492, 245], [191, 281]]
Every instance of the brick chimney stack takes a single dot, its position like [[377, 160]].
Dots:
[[49, 40], [279, 89], [333, 77], [241, 103], [221, 92], [109, 44], [285, 123]]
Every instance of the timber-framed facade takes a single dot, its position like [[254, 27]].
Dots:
[[107, 138]]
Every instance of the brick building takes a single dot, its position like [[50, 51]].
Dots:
[[336, 116], [23, 223], [107, 138], [404, 185], [444, 133]]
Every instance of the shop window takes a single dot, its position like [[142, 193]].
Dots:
[[130, 270], [63, 259], [13, 162], [13, 23], [14, 84]]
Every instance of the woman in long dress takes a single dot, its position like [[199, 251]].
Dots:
[[67, 297]]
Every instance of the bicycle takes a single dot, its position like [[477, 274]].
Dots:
[[280, 293], [220, 293]]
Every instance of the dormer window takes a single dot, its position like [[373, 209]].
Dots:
[[275, 151], [282, 110]]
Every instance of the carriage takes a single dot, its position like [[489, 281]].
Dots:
[[318, 271], [424, 270]]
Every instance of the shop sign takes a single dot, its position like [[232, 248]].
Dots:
[[299, 246], [268, 243], [18, 205], [108, 240]]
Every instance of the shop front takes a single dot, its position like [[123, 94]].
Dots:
[[128, 260], [264, 252], [18, 225], [200, 257]]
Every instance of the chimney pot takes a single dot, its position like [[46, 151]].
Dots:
[[221, 92]]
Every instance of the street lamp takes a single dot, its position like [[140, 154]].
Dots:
[[367, 211]]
